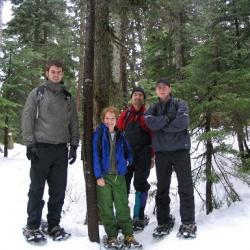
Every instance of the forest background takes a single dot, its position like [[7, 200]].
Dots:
[[202, 47]]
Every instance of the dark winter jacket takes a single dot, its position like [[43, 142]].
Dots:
[[169, 122], [101, 152], [132, 123], [51, 117]]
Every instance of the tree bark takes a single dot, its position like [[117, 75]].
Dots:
[[92, 210], [123, 56], [103, 58]]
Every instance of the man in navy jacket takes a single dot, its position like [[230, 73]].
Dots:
[[168, 118]]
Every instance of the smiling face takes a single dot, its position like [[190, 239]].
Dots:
[[137, 99], [110, 121], [54, 74]]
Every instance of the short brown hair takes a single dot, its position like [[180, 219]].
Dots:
[[56, 63], [110, 109]]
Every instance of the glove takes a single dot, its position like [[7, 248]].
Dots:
[[32, 153], [72, 154]]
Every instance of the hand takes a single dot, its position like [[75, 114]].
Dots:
[[100, 182], [72, 154], [32, 153]]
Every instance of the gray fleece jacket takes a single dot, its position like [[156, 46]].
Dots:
[[52, 118]]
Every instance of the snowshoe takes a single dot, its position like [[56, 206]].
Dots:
[[187, 231], [164, 229], [131, 243], [58, 233], [112, 243], [139, 224], [44, 226], [34, 235]]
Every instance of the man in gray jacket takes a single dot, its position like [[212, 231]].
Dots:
[[49, 124], [168, 118]]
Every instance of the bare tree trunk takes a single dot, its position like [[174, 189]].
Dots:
[[208, 171], [81, 67], [6, 132], [177, 29], [103, 58], [132, 61], [124, 57], [92, 210]]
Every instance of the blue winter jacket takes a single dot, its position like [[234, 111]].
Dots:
[[101, 152]]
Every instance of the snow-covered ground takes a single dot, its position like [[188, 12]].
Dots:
[[227, 228]]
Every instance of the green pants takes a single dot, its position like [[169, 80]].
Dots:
[[113, 206]]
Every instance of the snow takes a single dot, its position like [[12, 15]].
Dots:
[[227, 228]]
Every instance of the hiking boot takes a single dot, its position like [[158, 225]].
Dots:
[[33, 235], [112, 242], [164, 229], [187, 230], [139, 224], [58, 233], [130, 242]]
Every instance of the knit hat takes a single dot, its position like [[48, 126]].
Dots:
[[138, 89], [163, 81]]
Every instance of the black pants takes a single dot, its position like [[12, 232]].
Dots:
[[140, 169], [51, 167], [166, 162]]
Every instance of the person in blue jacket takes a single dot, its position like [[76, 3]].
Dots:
[[168, 118], [111, 156]]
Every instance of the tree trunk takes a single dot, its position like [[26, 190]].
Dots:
[[208, 171], [103, 58], [6, 132], [81, 67], [92, 210], [177, 29], [124, 57]]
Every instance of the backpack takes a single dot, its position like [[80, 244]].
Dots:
[[40, 94]]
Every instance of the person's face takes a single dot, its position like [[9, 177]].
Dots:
[[163, 91], [54, 74], [110, 121], [137, 98]]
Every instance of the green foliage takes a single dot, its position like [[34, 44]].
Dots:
[[245, 167]]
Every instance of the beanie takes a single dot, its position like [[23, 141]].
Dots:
[[138, 89]]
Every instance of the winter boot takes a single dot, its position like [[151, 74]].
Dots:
[[58, 233], [112, 243], [187, 231], [130, 242], [33, 235], [139, 224], [164, 229]]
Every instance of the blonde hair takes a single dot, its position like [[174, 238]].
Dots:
[[110, 109]]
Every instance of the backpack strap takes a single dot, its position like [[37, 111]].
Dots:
[[39, 96]]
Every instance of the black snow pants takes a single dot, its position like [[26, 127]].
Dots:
[[52, 167], [166, 162]]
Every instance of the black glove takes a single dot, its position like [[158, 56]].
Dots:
[[32, 153], [72, 154]]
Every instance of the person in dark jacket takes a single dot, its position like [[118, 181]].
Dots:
[[49, 124], [132, 122], [168, 118], [111, 155]]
